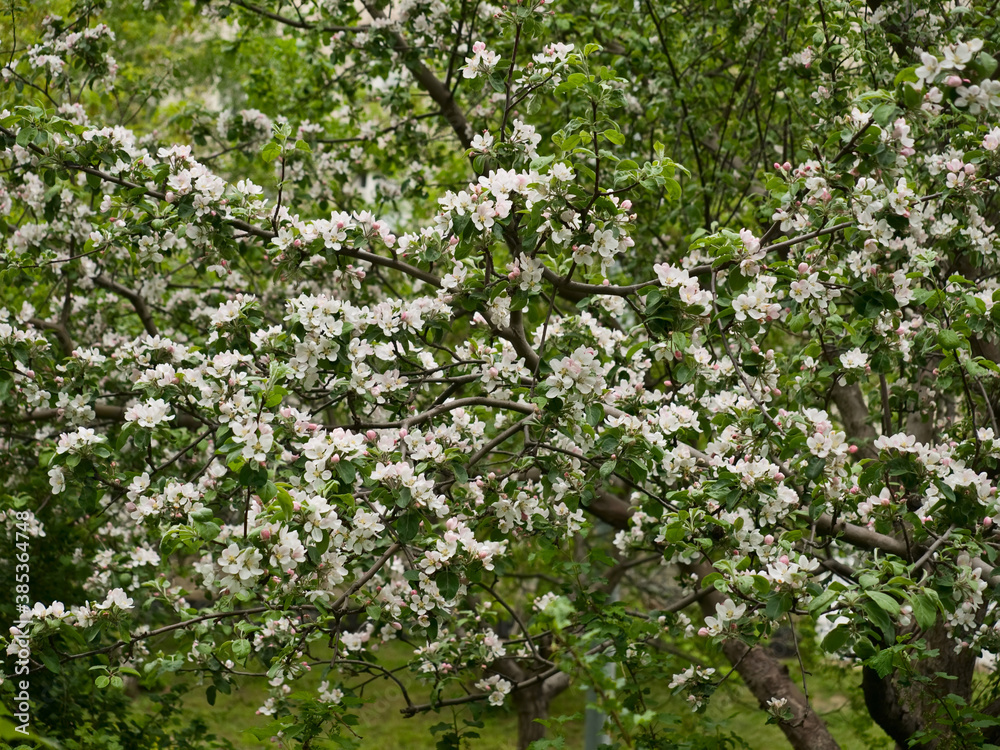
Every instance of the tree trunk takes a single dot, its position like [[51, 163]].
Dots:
[[902, 706], [763, 674], [533, 703], [767, 678]]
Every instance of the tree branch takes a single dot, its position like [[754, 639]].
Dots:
[[138, 303]]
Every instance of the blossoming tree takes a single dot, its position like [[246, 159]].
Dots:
[[332, 331]]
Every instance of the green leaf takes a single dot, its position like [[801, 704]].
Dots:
[[207, 530], [615, 137], [25, 136], [820, 603], [882, 662], [777, 605], [407, 527], [882, 361], [51, 661], [202, 514], [835, 639], [815, 468], [674, 533], [878, 617], [884, 601], [403, 497], [346, 472], [241, 648], [947, 339], [883, 113], [797, 323], [271, 151], [448, 583], [924, 610], [285, 501], [268, 492]]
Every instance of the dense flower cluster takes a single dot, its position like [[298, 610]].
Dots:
[[336, 432]]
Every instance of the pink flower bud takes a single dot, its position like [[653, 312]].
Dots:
[[371, 435], [987, 521], [953, 81], [703, 632], [769, 539], [265, 534], [170, 197], [803, 268]]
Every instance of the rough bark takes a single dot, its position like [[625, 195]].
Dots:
[[532, 702], [430, 83], [899, 706], [767, 678], [902, 707], [764, 675], [102, 411], [854, 413]]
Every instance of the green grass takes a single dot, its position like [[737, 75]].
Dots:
[[833, 691]]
